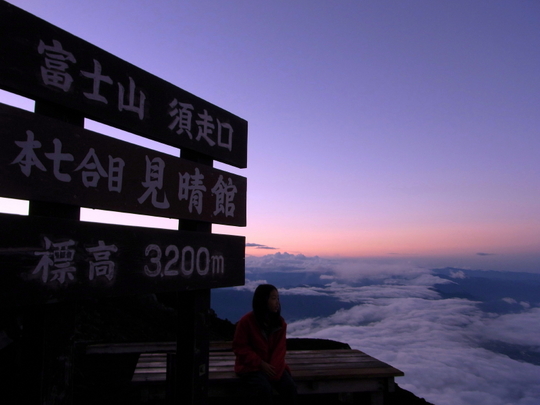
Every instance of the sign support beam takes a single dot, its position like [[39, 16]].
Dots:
[[191, 376], [39, 340]]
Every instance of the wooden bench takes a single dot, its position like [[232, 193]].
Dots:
[[344, 372]]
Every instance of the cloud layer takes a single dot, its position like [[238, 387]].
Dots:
[[444, 346]]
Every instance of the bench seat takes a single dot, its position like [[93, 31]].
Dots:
[[329, 371], [314, 371]]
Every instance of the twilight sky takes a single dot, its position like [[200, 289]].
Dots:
[[394, 129]]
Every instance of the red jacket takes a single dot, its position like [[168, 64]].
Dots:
[[251, 346]]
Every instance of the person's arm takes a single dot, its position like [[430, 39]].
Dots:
[[242, 346], [268, 369], [279, 350]]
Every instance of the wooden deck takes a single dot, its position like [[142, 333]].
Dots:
[[314, 371]]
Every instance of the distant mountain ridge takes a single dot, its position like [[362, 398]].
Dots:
[[492, 274], [499, 292], [480, 323], [496, 291]]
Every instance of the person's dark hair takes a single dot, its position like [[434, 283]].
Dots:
[[260, 306]]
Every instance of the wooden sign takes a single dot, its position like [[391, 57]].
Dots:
[[47, 260], [43, 159], [40, 61]]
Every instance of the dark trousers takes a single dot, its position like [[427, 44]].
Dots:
[[260, 386]]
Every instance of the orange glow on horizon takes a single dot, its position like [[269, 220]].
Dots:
[[428, 241]]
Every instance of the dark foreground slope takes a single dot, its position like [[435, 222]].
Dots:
[[106, 379]]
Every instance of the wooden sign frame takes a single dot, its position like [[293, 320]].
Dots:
[[43, 62], [43, 159], [49, 260], [46, 258]]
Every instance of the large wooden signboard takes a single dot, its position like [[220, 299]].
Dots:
[[40, 61], [44, 159], [50, 259]]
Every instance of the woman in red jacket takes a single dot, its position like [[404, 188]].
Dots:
[[260, 345]]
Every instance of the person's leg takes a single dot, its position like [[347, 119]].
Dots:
[[286, 388], [258, 386]]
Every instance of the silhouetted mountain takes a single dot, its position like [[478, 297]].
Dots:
[[499, 292], [232, 304], [284, 277]]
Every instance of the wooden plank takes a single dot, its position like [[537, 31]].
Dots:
[[156, 378], [151, 370], [222, 370], [150, 348], [350, 363], [47, 260], [142, 366], [340, 386], [307, 353], [346, 373], [155, 355], [41, 61], [44, 159], [222, 347], [354, 358], [346, 362], [338, 365], [221, 388], [322, 353]]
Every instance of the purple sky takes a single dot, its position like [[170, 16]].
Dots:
[[376, 128]]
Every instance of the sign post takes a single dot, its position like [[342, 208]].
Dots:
[[192, 348], [49, 159]]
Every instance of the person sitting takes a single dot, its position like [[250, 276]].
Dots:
[[260, 346]]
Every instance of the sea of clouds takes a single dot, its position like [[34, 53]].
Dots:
[[445, 346]]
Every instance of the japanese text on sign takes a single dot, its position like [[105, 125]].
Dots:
[[48, 160], [57, 262], [55, 72], [190, 186], [43, 62]]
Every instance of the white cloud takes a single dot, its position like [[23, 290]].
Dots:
[[350, 269], [457, 274], [375, 292], [509, 300], [436, 342], [521, 329], [278, 261], [400, 319], [250, 285], [512, 301], [431, 342], [357, 269], [301, 291]]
